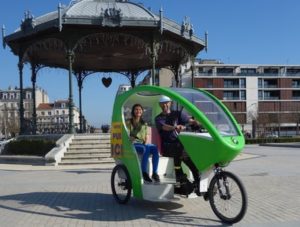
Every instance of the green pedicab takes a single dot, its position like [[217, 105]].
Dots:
[[211, 148]]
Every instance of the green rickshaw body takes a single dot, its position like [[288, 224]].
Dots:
[[219, 144]]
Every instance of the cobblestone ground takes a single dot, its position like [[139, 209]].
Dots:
[[82, 197]]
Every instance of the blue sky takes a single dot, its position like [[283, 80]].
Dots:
[[240, 32]]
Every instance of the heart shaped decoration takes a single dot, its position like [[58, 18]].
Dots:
[[106, 81]]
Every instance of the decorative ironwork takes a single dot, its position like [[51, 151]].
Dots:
[[109, 40], [132, 76], [59, 8], [111, 16], [187, 27], [3, 35], [161, 22], [171, 47], [106, 81], [28, 23]]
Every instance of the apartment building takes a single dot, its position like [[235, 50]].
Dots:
[[265, 99], [54, 117], [9, 107]]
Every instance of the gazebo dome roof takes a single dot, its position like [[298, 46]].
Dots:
[[105, 35], [89, 11], [94, 8]]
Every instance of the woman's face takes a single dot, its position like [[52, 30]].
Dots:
[[138, 111]]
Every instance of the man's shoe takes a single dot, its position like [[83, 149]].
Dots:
[[205, 196], [146, 177], [155, 177]]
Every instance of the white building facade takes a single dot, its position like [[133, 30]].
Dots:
[[54, 117], [9, 108]]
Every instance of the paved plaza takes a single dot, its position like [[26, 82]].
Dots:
[[81, 196]]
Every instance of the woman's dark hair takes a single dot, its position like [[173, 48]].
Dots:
[[132, 113]]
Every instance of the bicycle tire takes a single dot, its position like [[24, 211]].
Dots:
[[227, 200], [121, 184]]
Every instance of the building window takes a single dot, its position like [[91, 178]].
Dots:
[[225, 70], [231, 83], [296, 94], [292, 71], [296, 83], [49, 113], [43, 113], [271, 95], [259, 83], [248, 71], [243, 83], [243, 95], [260, 95], [231, 95], [270, 83], [271, 71]]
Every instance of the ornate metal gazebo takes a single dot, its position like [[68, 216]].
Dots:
[[91, 36]]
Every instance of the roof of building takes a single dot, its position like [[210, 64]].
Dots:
[[45, 106]]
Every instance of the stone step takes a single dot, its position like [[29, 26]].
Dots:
[[91, 151], [89, 146], [85, 156], [89, 137], [88, 149], [87, 162], [83, 142]]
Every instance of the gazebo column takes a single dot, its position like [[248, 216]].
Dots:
[[71, 103], [132, 76], [132, 79], [193, 71], [154, 57], [33, 81], [21, 108], [175, 69], [79, 77]]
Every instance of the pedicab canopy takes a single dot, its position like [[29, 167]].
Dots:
[[103, 35]]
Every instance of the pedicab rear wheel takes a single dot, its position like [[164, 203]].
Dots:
[[121, 184], [227, 197]]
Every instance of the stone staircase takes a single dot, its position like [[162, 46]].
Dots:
[[88, 149]]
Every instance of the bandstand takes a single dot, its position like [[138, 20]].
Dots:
[[91, 36]]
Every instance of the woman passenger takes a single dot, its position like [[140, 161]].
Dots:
[[138, 135]]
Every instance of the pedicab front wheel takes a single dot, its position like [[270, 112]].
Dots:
[[121, 184], [227, 197]]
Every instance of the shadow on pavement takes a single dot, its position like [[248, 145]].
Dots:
[[97, 207]]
